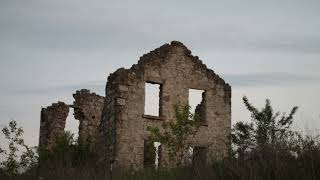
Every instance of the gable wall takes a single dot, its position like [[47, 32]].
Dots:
[[177, 70]]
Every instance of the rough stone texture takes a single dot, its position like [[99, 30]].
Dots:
[[123, 124], [52, 124], [88, 109], [119, 118]]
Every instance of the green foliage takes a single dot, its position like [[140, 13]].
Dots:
[[12, 165], [267, 148], [267, 131], [174, 134]]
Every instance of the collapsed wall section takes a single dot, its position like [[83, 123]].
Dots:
[[88, 109], [52, 124]]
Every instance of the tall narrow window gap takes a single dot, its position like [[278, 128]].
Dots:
[[197, 104], [152, 99], [72, 124], [152, 154]]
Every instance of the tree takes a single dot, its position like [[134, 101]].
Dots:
[[174, 134], [267, 130], [28, 159]]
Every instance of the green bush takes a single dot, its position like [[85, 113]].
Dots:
[[13, 163], [174, 134]]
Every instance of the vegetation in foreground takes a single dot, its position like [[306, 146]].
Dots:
[[263, 148]]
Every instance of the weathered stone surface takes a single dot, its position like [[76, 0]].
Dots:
[[119, 122], [123, 128], [121, 102], [88, 109], [52, 123]]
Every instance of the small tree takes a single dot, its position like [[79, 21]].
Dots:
[[266, 131], [174, 134], [28, 159]]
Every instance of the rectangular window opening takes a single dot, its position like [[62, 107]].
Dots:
[[198, 104], [152, 154], [152, 104]]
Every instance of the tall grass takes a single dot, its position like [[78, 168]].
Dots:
[[305, 164]]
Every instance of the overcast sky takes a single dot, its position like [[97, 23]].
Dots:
[[264, 49]]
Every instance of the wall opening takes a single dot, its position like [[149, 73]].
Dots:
[[189, 156], [72, 125], [197, 104], [152, 99], [152, 154], [199, 157]]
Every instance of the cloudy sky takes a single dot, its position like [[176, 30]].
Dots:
[[264, 49]]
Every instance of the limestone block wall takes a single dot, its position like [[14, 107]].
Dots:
[[124, 123], [116, 95], [88, 109], [52, 124]]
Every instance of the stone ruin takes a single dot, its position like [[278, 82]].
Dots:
[[118, 121], [52, 123], [87, 109]]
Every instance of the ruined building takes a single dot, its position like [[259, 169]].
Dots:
[[87, 109], [52, 123], [120, 117]]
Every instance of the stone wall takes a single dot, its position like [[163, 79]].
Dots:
[[119, 120], [52, 124], [88, 109], [123, 124]]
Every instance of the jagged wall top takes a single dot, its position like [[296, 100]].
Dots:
[[85, 92], [158, 55]]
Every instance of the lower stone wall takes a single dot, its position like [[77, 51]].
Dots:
[[124, 121], [88, 109], [52, 124]]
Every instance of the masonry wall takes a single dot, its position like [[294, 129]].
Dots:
[[124, 124], [52, 124], [88, 109]]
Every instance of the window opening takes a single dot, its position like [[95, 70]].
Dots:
[[152, 99], [152, 154], [197, 104], [72, 125]]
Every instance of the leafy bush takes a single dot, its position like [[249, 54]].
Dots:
[[265, 134], [174, 134], [267, 148], [13, 163]]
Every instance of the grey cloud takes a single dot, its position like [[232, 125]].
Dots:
[[3, 108], [48, 47], [94, 86], [115, 26], [236, 80], [269, 79]]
